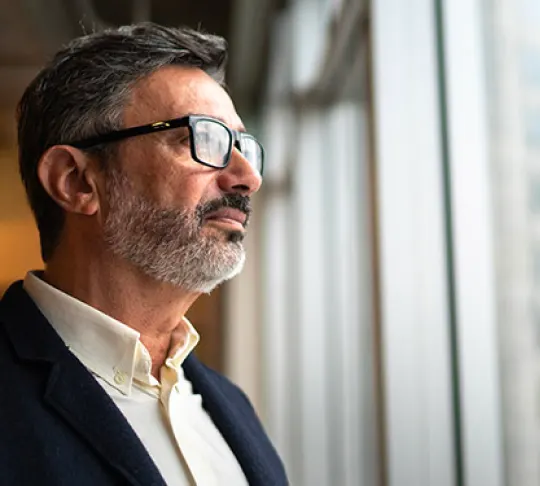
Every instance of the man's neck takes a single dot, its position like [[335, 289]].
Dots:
[[152, 308]]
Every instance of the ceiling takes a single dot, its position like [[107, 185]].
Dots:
[[32, 30]]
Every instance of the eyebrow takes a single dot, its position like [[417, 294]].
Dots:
[[241, 128]]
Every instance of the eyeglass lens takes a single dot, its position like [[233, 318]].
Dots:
[[251, 150], [213, 143]]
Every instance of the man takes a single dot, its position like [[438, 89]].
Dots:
[[139, 173]]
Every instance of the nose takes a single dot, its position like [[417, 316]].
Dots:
[[239, 176]]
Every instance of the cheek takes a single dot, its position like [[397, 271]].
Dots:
[[186, 189], [172, 179], [188, 183]]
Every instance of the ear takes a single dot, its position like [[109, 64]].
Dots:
[[70, 177]]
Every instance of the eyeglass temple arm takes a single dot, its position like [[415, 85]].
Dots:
[[128, 132]]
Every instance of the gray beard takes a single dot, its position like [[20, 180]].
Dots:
[[167, 244]]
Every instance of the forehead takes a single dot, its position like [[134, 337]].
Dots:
[[175, 91]]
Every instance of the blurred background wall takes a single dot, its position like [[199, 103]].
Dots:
[[387, 322]]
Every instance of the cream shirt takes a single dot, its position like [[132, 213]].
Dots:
[[167, 416]]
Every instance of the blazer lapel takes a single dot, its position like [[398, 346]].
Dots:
[[81, 401], [237, 424], [73, 392]]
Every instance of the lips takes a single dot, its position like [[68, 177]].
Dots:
[[228, 214]]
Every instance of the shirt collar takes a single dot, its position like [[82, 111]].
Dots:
[[107, 347]]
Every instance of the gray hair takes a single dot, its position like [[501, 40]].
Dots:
[[82, 93]]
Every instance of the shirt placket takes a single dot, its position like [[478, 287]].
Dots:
[[178, 414]]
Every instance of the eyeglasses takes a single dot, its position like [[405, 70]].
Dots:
[[211, 141]]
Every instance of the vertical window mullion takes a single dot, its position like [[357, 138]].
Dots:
[[413, 268]]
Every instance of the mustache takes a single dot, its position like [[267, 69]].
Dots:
[[235, 201]]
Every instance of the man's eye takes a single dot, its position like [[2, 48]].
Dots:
[[183, 140]]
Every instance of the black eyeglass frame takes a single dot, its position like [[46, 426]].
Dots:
[[186, 121]]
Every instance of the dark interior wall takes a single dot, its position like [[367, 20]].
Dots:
[[212, 15]]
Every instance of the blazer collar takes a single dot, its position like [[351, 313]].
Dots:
[[73, 392]]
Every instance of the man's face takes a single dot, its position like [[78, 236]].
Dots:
[[177, 220]]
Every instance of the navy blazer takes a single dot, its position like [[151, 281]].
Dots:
[[59, 427]]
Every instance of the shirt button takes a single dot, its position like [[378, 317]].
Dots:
[[119, 378]]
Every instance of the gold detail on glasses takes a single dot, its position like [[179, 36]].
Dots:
[[161, 125]]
